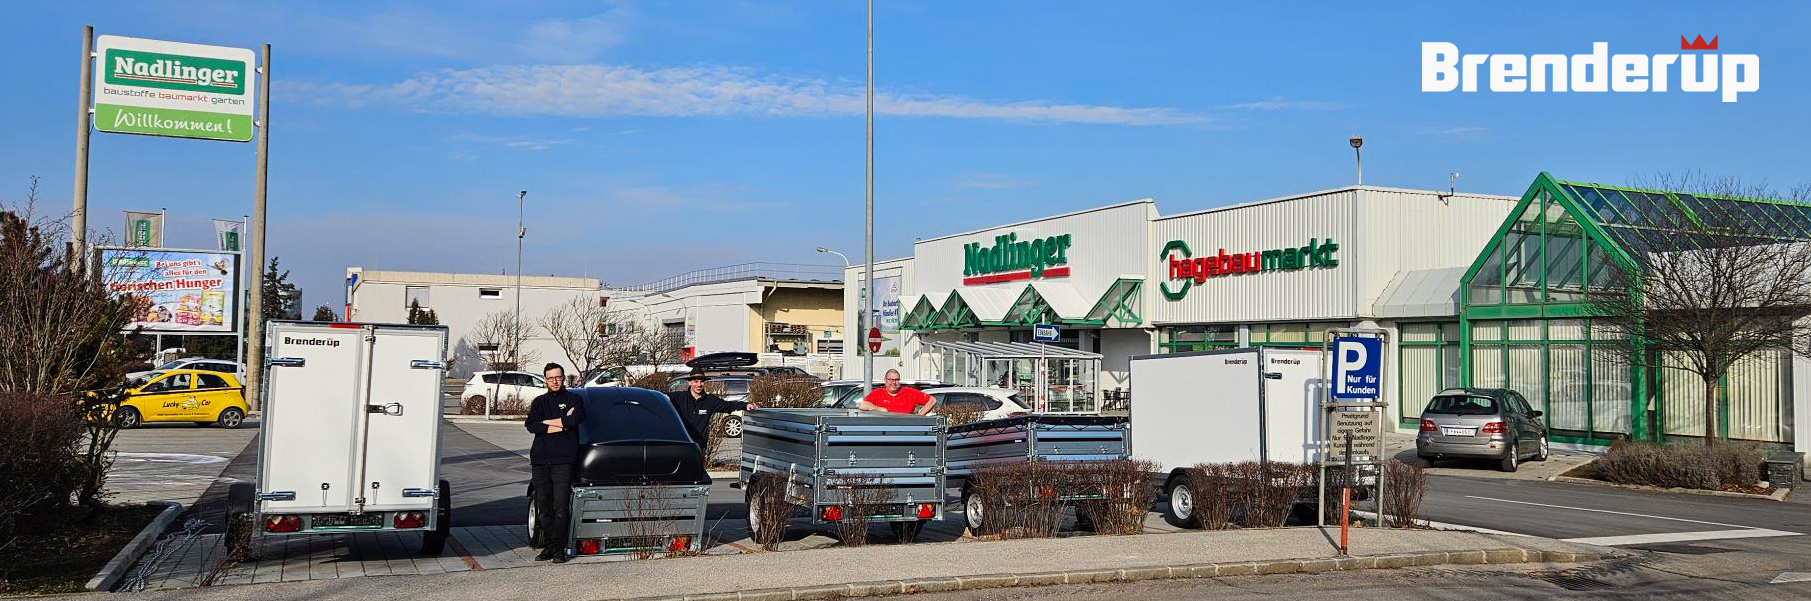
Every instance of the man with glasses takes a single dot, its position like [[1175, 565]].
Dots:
[[894, 398]]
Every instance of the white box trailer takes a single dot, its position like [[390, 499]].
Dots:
[[1225, 406], [350, 434]]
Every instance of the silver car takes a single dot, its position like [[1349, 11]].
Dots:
[[1481, 423]]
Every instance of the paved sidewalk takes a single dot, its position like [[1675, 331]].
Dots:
[[842, 566]]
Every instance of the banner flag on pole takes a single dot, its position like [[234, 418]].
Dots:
[[229, 233], [144, 228]]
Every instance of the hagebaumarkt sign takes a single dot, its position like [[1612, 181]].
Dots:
[[1190, 270], [1012, 259], [174, 89]]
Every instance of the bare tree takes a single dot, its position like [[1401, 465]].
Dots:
[[1719, 285], [585, 330], [506, 338]]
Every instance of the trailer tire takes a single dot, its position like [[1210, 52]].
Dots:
[[1179, 510], [906, 532], [433, 542], [972, 513], [755, 499], [732, 427], [1083, 523], [239, 515], [534, 526]]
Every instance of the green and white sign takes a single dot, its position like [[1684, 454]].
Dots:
[[159, 88]]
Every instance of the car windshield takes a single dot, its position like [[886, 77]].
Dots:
[[170, 365], [1462, 405], [136, 381], [832, 394]]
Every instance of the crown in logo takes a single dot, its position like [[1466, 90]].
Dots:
[[1698, 44]]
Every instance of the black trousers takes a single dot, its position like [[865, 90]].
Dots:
[[553, 502]]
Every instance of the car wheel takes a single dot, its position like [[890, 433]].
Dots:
[[128, 418], [1545, 450], [732, 427], [1511, 459], [230, 418], [1180, 510]]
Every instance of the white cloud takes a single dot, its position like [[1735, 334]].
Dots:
[[1279, 103], [1457, 131], [574, 40], [614, 90], [517, 142]]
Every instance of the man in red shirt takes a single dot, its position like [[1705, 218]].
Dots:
[[894, 398]]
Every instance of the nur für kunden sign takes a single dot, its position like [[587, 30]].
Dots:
[[1357, 368], [160, 88]]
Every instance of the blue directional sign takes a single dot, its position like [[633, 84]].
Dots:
[[1044, 332], [1357, 367]]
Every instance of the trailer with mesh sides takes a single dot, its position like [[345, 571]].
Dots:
[[829, 463], [1033, 439]]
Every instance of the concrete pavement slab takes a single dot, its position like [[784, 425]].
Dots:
[[173, 462]]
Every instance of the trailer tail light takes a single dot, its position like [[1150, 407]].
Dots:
[[409, 519], [1492, 428], [283, 523], [927, 511], [1427, 425], [1018, 413], [589, 546], [831, 513], [680, 543]]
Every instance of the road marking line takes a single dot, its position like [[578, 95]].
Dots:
[[1786, 577], [1674, 537], [1446, 526], [464, 555], [1639, 515]]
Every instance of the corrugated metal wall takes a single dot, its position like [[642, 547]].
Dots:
[[1380, 232]]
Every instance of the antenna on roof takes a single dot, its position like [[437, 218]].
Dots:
[[1452, 185]]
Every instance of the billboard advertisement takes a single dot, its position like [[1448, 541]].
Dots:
[[886, 304], [176, 290], [159, 88]]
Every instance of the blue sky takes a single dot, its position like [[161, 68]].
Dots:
[[659, 137]]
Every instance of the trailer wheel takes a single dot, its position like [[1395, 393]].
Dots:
[[973, 515], [758, 494], [434, 541], [239, 517], [1180, 510], [906, 532], [732, 427], [534, 523]]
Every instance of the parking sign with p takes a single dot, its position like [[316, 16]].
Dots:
[[1357, 367]]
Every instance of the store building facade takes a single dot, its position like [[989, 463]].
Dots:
[[1470, 290]]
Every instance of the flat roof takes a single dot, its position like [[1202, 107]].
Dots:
[[433, 278]]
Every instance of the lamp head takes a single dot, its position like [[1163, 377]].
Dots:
[[1356, 141], [822, 249]]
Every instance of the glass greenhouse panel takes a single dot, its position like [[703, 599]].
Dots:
[[1610, 391], [1568, 399]]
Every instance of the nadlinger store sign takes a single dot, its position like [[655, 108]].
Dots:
[[1186, 270], [1011, 259]]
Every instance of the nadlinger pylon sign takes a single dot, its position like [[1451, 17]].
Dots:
[[176, 89]]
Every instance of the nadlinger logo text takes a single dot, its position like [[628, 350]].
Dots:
[[1444, 69]]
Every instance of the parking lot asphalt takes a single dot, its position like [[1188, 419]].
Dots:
[[173, 462]]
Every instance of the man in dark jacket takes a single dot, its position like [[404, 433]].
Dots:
[[554, 417], [695, 406]]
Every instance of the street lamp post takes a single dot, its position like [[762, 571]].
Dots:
[[1357, 141], [867, 375], [521, 232]]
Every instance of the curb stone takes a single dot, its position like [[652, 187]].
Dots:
[[1178, 572], [1778, 494], [122, 561]]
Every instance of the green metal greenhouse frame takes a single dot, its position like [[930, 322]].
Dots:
[[1556, 245], [1119, 304]]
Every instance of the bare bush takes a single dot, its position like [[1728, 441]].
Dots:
[[38, 469], [511, 406], [656, 380], [1021, 500], [1126, 492], [1405, 485], [713, 444], [652, 522], [767, 496], [1210, 485], [784, 392], [1684, 465], [508, 334], [959, 415], [860, 497]]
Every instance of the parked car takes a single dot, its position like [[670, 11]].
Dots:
[[837, 393], [733, 388], [200, 363], [183, 395], [503, 386], [612, 376], [1481, 423], [788, 372], [994, 403]]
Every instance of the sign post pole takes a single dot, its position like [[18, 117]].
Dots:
[[82, 127], [254, 327]]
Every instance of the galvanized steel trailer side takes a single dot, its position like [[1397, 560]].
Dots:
[[1034, 438], [812, 448], [646, 518]]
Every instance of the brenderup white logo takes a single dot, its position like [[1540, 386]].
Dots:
[[1443, 69]]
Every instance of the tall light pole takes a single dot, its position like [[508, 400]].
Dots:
[[1356, 142], [867, 372], [826, 250], [516, 333]]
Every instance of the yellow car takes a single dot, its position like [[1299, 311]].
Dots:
[[183, 395]]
